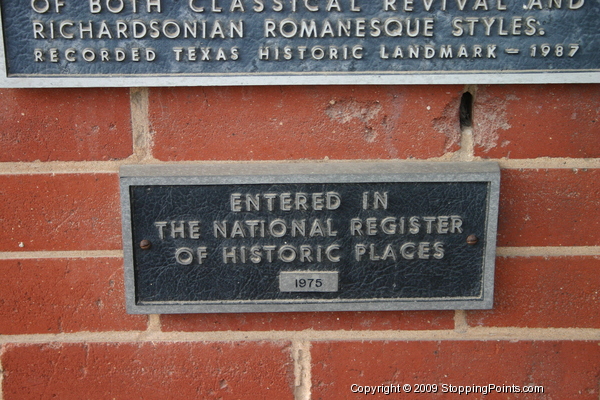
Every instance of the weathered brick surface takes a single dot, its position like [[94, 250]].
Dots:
[[536, 292], [60, 212], [64, 295], [566, 370], [278, 123], [529, 121], [148, 371], [415, 320], [552, 207], [64, 124]]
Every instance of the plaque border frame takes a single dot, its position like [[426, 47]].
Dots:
[[315, 172]]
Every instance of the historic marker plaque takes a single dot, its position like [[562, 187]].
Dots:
[[309, 237], [231, 42]]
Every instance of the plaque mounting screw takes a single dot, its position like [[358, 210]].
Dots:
[[472, 240], [145, 244]]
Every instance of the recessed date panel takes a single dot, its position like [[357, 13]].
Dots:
[[309, 237]]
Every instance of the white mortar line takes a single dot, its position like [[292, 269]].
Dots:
[[140, 124], [62, 167], [460, 321], [302, 369], [550, 163], [468, 143], [476, 334], [467, 148], [551, 251], [1, 375], [20, 255], [154, 324], [100, 167]]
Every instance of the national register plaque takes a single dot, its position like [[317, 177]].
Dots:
[[309, 237], [264, 42]]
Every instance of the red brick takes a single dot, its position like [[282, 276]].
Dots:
[[148, 371], [415, 320], [566, 370], [557, 292], [64, 295], [64, 124], [556, 207], [60, 212], [529, 121], [304, 122]]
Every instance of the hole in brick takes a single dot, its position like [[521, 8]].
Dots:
[[466, 110]]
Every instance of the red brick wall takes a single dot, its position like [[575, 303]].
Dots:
[[64, 332]]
